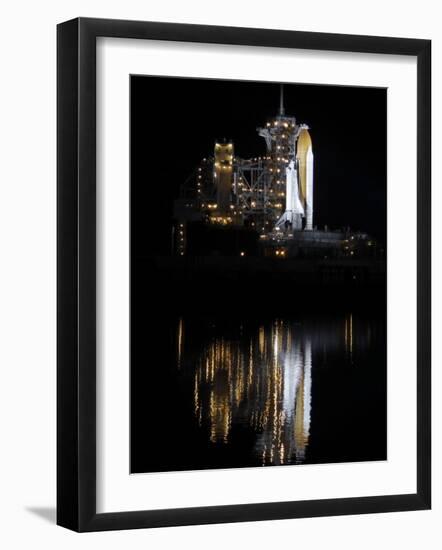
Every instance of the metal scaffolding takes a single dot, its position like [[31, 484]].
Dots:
[[229, 190]]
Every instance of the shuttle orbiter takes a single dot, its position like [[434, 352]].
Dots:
[[299, 185]]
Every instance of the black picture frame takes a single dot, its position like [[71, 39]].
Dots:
[[76, 274]]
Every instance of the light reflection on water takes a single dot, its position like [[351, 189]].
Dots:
[[263, 383]]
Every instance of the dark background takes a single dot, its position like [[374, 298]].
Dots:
[[175, 122]]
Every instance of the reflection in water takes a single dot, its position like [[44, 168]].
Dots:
[[265, 385], [257, 382], [243, 392], [349, 336], [180, 338]]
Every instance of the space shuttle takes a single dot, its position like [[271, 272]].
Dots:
[[299, 185]]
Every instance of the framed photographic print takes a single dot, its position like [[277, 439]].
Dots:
[[243, 274]]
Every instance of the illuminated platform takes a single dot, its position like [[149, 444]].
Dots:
[[319, 244]]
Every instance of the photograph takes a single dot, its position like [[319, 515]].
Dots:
[[220, 315], [258, 289]]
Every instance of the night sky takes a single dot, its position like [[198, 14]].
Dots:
[[175, 122]]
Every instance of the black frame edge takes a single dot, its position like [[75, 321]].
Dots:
[[424, 273], [67, 268], [76, 271], [250, 36], [254, 512]]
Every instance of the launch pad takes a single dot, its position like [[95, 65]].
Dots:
[[269, 196]]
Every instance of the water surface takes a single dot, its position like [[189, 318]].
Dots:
[[236, 392]]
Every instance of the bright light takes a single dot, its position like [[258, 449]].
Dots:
[[242, 253]]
